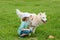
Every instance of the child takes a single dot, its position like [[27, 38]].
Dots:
[[23, 30]]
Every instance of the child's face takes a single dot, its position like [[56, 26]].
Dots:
[[27, 18]]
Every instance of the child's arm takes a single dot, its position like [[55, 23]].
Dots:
[[20, 28], [26, 29]]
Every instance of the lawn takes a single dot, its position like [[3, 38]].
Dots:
[[9, 21]]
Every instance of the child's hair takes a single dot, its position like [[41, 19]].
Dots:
[[24, 19]]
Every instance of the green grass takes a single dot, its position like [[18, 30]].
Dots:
[[9, 21]]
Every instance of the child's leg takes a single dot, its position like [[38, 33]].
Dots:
[[25, 33]]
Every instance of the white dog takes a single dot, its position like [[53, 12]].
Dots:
[[35, 19]]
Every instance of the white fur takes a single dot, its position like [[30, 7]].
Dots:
[[37, 19]]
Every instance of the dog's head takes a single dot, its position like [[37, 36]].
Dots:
[[42, 17]]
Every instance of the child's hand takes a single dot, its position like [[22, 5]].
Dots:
[[26, 29]]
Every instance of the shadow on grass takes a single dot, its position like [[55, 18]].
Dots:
[[43, 35]]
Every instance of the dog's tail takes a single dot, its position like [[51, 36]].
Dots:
[[19, 13]]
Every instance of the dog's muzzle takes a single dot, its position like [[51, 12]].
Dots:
[[44, 21]]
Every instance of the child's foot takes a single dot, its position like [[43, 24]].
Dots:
[[23, 35]]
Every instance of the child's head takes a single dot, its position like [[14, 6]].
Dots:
[[25, 19]]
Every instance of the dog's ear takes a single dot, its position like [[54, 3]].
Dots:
[[31, 16], [40, 13]]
